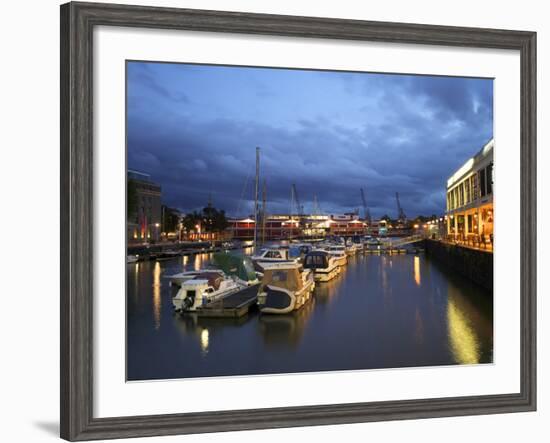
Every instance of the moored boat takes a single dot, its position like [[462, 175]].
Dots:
[[273, 255], [338, 252], [352, 248], [285, 287], [202, 289], [132, 258], [322, 264]]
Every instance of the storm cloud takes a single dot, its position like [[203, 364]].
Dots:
[[195, 128]]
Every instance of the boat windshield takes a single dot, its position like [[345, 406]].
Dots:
[[283, 278]]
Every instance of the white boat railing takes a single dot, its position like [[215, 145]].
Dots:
[[402, 241]]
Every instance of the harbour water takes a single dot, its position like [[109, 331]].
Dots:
[[385, 311]]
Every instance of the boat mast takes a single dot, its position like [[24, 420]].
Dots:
[[264, 214], [256, 190]]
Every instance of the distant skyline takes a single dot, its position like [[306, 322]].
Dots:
[[195, 128]]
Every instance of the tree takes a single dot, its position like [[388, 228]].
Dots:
[[191, 220], [213, 220], [210, 220], [170, 220]]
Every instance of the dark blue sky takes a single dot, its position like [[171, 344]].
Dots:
[[194, 128]]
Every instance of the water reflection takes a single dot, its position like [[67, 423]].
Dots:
[[373, 315], [417, 270], [285, 330], [204, 330], [327, 292], [205, 340], [464, 342], [156, 295]]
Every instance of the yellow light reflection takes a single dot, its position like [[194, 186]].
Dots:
[[464, 342], [156, 295], [205, 341], [197, 264], [417, 270]]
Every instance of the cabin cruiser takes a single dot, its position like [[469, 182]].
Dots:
[[338, 252], [373, 242], [181, 277], [202, 289], [352, 248], [272, 255], [240, 268], [299, 250], [285, 287], [322, 264]]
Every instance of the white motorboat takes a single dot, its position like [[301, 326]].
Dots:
[[338, 252], [132, 258], [322, 264], [352, 248], [202, 289], [373, 242], [181, 277], [240, 268], [272, 255], [285, 287]]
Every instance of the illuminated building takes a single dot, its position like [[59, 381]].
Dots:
[[284, 226], [144, 225], [469, 216]]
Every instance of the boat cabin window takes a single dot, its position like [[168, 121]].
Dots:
[[317, 260], [273, 254], [209, 290], [279, 276], [191, 294]]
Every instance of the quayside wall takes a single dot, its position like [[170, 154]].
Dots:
[[477, 265]]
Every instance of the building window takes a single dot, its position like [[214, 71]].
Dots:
[[490, 178], [475, 190], [467, 189], [482, 186]]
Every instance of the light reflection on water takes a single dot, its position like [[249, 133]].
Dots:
[[417, 270], [156, 294], [375, 314]]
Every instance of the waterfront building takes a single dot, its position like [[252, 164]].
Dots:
[[469, 215], [285, 226], [144, 221]]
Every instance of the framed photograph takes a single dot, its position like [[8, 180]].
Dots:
[[272, 221]]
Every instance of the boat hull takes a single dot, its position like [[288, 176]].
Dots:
[[323, 275], [341, 260], [281, 301]]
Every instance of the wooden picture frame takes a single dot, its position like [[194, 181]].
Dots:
[[77, 23]]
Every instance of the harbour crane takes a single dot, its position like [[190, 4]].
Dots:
[[365, 207], [400, 213]]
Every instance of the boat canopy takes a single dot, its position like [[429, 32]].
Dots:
[[237, 265], [286, 278], [214, 279], [297, 250], [316, 260]]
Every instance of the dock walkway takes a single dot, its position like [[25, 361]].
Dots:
[[232, 306]]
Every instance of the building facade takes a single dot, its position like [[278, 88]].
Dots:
[[285, 227], [470, 216], [144, 218]]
